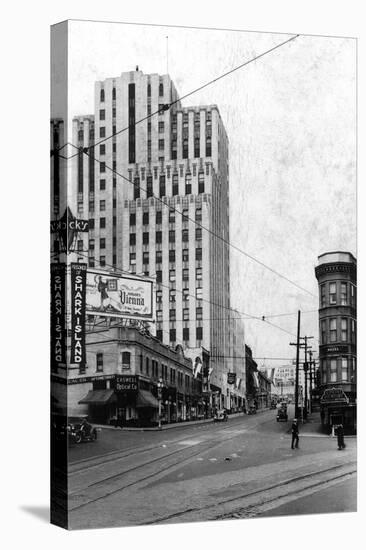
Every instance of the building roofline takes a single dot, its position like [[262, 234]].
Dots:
[[337, 252]]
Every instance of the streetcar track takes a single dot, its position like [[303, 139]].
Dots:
[[257, 492], [149, 476]]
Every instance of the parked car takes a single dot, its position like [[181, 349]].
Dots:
[[220, 416], [282, 415], [79, 429], [252, 410]]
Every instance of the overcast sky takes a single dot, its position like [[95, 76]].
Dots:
[[291, 123]]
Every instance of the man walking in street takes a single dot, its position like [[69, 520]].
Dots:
[[295, 434], [340, 437]]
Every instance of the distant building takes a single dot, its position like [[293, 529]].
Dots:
[[337, 277]]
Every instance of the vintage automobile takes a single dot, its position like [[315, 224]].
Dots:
[[252, 409], [220, 416], [273, 405], [79, 429], [282, 415]]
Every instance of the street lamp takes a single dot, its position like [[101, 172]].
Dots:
[[160, 394]]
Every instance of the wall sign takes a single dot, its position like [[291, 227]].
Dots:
[[78, 293]]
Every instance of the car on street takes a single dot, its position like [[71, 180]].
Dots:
[[252, 410], [79, 429], [282, 415], [220, 416]]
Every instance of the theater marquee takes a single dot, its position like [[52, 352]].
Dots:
[[112, 295]]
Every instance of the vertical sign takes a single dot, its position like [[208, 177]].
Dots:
[[78, 293], [58, 315]]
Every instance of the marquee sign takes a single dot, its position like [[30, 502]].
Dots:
[[78, 288], [334, 395], [113, 295], [58, 315]]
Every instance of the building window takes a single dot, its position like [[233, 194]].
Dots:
[[324, 371], [132, 239], [159, 276], [158, 256], [198, 233], [99, 362], [172, 275], [162, 186], [91, 262], [159, 335], [102, 242], [133, 258], [353, 331], [185, 294], [344, 335], [136, 188], [201, 182], [333, 370], [188, 183], [147, 366], [126, 360], [161, 145], [172, 236], [102, 185], [344, 300], [158, 218], [171, 216], [133, 219], [172, 335], [186, 314], [159, 296], [145, 218], [102, 167], [198, 253], [102, 205], [172, 295], [80, 245], [91, 223], [185, 148], [149, 186], [353, 295], [91, 244], [199, 273], [159, 315], [185, 334], [145, 238], [172, 315], [199, 333], [199, 293], [102, 131], [175, 184], [102, 95], [185, 235], [171, 255], [344, 369], [199, 312], [322, 296], [324, 332], [113, 93], [102, 149], [185, 274], [102, 223], [102, 261], [145, 258], [161, 89], [198, 214], [332, 293], [161, 127], [101, 114], [158, 237], [333, 330], [185, 255]]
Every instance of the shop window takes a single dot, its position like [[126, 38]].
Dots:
[[126, 360]]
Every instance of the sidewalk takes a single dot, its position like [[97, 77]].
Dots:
[[166, 426], [312, 427]]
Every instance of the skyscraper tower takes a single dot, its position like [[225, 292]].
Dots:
[[168, 217]]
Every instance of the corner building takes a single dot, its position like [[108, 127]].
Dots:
[[337, 277], [175, 165]]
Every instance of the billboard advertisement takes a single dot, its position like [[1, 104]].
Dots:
[[121, 296]]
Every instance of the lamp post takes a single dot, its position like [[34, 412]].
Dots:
[[160, 392]]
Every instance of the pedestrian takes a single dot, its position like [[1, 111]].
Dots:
[[340, 437], [295, 434]]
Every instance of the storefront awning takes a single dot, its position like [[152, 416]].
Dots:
[[146, 399], [99, 397]]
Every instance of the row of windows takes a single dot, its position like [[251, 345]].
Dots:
[[175, 177], [171, 217], [159, 255], [173, 313], [162, 187], [337, 293], [338, 329], [171, 236], [173, 334], [341, 369]]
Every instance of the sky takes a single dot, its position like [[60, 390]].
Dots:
[[291, 121]]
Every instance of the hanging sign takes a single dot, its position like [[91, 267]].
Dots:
[[58, 315]]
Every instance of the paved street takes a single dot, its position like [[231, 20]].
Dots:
[[242, 468]]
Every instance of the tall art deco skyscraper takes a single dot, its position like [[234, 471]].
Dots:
[[163, 216]]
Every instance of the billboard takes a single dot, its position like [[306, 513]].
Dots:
[[121, 296]]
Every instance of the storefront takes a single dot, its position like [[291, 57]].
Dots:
[[336, 408]]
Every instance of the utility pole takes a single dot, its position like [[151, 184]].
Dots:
[[297, 364], [311, 379], [306, 368]]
